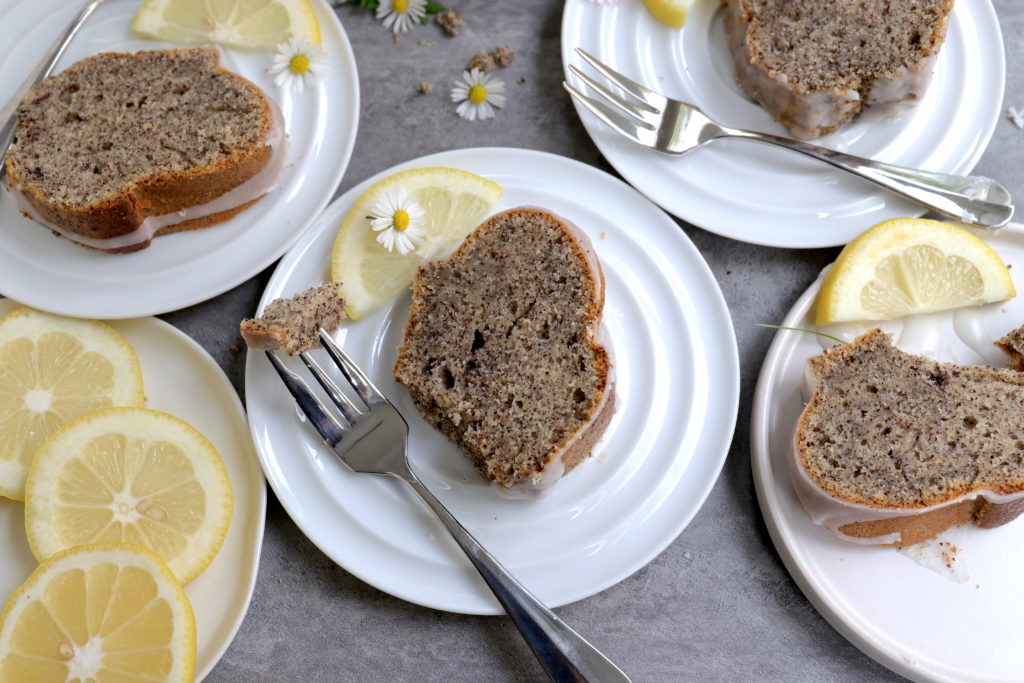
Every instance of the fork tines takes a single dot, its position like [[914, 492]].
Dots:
[[313, 408], [636, 115], [329, 427]]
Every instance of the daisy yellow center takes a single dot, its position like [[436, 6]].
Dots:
[[401, 221], [477, 94], [400, 6], [299, 64]]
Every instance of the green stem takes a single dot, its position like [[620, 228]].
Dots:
[[801, 329]]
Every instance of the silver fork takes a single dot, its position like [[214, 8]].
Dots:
[[374, 441], [675, 127]]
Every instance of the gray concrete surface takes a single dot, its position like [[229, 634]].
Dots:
[[717, 604]]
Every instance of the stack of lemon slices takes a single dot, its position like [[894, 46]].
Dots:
[[123, 505]]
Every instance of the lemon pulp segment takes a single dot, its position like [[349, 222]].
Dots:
[[241, 23]]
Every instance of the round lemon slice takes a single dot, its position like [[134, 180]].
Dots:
[[454, 202], [670, 12], [241, 23], [108, 612], [53, 369], [906, 266], [130, 475]]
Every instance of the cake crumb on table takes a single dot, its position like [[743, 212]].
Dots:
[[521, 79], [450, 22], [482, 61], [502, 56], [424, 87]]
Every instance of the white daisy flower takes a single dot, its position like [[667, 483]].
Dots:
[[297, 64], [398, 220], [479, 94], [401, 15]]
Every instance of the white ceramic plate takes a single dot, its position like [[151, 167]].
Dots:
[[918, 622], [755, 193], [182, 379], [669, 331], [184, 268]]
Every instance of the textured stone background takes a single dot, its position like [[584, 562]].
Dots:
[[718, 603]]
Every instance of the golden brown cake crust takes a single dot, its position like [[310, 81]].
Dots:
[[161, 191]]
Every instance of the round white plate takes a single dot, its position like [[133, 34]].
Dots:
[[185, 268], [182, 379], [921, 623], [669, 331], [756, 193]]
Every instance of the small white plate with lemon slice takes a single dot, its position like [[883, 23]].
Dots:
[[677, 385], [180, 378], [185, 268], [960, 623], [761, 194]]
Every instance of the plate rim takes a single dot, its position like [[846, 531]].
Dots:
[[729, 389], [825, 600], [707, 222], [259, 488], [92, 309]]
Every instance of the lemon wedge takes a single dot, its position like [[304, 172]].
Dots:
[[241, 23], [130, 475], [454, 202], [670, 12], [906, 266], [103, 613], [53, 369]]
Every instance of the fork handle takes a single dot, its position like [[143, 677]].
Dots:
[[971, 199], [564, 654]]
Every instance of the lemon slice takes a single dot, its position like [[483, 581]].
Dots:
[[101, 613], [241, 23], [53, 369], [454, 202], [670, 12], [130, 475], [905, 266]]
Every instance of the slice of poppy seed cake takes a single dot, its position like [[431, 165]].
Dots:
[[816, 65], [501, 351]]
